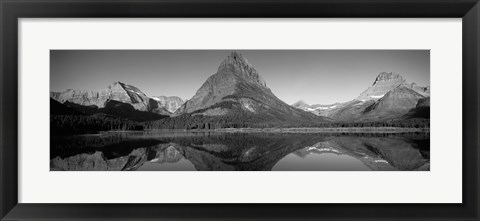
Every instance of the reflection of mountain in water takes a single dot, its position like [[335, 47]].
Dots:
[[232, 151], [377, 153], [106, 161]]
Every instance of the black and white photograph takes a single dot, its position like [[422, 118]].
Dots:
[[239, 110]]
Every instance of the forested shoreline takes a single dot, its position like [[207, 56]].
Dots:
[[81, 124], [77, 119]]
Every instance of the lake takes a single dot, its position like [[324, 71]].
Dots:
[[235, 151]]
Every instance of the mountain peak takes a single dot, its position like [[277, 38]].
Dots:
[[388, 76], [116, 85], [384, 82], [238, 65], [237, 56], [300, 103]]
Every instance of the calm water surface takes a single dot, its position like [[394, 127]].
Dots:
[[215, 151]]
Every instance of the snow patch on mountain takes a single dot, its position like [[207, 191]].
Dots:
[[324, 149]]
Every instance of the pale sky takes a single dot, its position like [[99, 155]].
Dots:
[[315, 76]]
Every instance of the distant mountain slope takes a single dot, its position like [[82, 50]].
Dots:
[[238, 90], [171, 103], [317, 109], [301, 105], [389, 97], [422, 110], [117, 91], [350, 111], [394, 104], [387, 81]]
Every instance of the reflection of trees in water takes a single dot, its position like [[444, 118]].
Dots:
[[233, 151]]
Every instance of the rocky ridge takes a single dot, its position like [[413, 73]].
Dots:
[[390, 96], [387, 81], [117, 91]]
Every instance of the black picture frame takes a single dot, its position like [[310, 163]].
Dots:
[[12, 10]]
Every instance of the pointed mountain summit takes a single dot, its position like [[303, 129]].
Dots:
[[237, 88], [129, 94], [235, 76], [235, 63]]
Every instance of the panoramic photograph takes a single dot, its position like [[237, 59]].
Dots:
[[239, 110]]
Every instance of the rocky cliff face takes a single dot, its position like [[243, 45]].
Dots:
[[387, 81], [171, 103], [384, 83], [237, 87], [237, 64], [117, 91]]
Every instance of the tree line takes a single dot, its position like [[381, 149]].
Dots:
[[73, 124], [61, 124], [260, 121]]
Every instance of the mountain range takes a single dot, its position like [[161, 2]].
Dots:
[[389, 97], [118, 92], [237, 96]]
